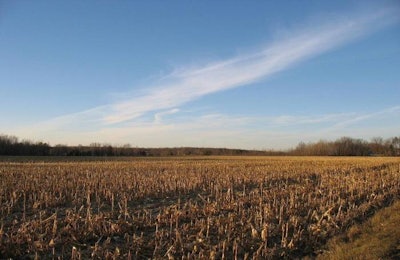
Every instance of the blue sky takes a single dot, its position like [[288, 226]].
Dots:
[[260, 75]]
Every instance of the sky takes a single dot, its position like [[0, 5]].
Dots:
[[234, 74]]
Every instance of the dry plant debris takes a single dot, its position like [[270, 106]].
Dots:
[[188, 208]]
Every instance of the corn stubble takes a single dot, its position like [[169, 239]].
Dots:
[[188, 208]]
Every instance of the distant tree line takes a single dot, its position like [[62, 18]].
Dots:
[[345, 146], [108, 150], [10, 145]]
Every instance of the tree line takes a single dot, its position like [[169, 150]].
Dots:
[[345, 146], [11, 146]]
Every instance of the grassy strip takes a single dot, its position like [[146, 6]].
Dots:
[[377, 238]]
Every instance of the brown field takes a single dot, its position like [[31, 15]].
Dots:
[[188, 208]]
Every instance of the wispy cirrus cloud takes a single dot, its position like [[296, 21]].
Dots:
[[126, 118], [185, 85], [359, 118], [158, 116], [233, 131]]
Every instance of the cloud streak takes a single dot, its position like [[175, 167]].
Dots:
[[231, 131], [384, 113], [125, 119], [186, 85]]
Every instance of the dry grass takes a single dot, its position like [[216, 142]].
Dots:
[[377, 238], [188, 208]]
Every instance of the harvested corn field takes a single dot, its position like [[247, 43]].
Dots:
[[188, 208]]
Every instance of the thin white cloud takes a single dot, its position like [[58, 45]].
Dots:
[[158, 116], [379, 114], [232, 131], [114, 122], [186, 85]]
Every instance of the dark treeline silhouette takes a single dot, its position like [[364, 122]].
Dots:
[[345, 146], [10, 145], [108, 150]]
